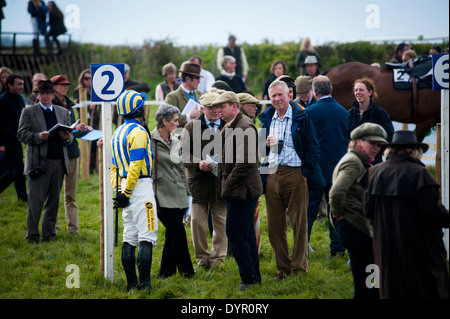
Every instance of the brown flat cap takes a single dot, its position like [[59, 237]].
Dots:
[[303, 84]]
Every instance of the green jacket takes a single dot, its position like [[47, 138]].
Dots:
[[179, 99], [170, 182], [346, 194]]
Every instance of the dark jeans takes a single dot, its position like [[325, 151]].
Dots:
[[360, 249], [175, 252], [315, 198], [241, 236]]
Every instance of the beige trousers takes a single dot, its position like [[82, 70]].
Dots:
[[70, 192], [199, 229], [287, 188]]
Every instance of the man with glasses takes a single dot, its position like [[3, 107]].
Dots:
[[190, 76], [46, 161]]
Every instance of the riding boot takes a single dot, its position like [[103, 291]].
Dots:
[[129, 265], [144, 263]]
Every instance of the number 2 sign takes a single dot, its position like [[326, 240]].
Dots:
[[107, 82]]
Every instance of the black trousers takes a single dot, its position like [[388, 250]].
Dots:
[[175, 252], [360, 249], [14, 153], [240, 231]]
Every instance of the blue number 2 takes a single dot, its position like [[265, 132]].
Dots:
[[110, 76]]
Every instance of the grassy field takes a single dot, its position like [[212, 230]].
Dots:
[[40, 271]]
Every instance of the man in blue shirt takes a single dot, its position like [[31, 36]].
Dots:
[[294, 152]]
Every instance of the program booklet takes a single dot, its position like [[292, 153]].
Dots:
[[61, 127], [213, 162]]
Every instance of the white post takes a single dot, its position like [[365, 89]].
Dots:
[[445, 157], [108, 211]]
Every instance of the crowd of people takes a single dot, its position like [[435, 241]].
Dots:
[[208, 155]]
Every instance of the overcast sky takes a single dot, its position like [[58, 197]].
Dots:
[[201, 22]]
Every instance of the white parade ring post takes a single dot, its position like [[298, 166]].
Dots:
[[107, 84], [445, 158], [108, 211]]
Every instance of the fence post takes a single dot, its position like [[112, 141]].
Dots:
[[83, 143]]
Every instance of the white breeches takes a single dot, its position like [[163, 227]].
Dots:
[[140, 219]]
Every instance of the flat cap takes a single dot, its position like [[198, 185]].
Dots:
[[226, 97], [303, 84], [208, 98], [245, 98], [369, 132]]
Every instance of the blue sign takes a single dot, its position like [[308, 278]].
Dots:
[[440, 71], [107, 82]]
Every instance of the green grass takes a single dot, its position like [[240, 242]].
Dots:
[[39, 271]]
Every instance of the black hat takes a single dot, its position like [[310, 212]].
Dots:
[[406, 139], [45, 86]]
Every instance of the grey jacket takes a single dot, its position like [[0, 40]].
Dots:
[[31, 123]]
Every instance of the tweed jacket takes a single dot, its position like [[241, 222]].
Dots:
[[31, 123], [204, 186], [169, 183], [238, 169], [346, 194], [179, 99]]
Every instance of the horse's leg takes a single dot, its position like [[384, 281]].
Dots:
[[423, 128]]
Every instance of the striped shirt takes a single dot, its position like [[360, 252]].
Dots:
[[132, 154], [281, 129]]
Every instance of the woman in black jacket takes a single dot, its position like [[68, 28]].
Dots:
[[57, 27], [364, 110]]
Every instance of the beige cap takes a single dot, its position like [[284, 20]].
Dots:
[[226, 97], [208, 98], [245, 98]]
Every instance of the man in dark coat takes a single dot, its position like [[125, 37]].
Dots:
[[330, 120], [402, 200], [11, 106]]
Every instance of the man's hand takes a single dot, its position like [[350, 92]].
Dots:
[[195, 113], [204, 166], [65, 136], [44, 135], [121, 201]]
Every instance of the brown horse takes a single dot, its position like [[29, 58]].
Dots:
[[398, 103]]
